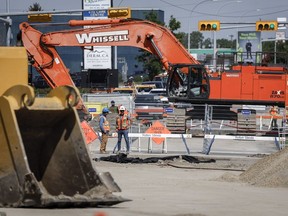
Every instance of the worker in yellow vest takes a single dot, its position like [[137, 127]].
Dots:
[[104, 128], [123, 123]]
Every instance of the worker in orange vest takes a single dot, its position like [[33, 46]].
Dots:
[[274, 112], [123, 122], [104, 128]]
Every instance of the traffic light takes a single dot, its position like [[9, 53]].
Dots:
[[119, 13], [209, 25], [266, 25], [40, 18]]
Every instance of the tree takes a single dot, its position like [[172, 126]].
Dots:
[[151, 62], [35, 7], [175, 25], [152, 16], [225, 43], [281, 49], [207, 43], [196, 39]]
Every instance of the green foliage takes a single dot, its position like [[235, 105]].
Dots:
[[151, 63], [152, 16], [225, 43], [35, 7], [196, 38], [182, 37], [138, 79], [207, 43], [173, 24]]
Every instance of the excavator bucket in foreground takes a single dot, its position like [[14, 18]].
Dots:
[[44, 161]]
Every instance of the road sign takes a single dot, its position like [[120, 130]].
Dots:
[[40, 18], [90, 134], [169, 110], [282, 22], [280, 36], [119, 12], [158, 128]]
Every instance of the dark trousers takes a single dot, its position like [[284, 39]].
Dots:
[[125, 134], [274, 123]]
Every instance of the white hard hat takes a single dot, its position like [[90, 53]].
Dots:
[[122, 108]]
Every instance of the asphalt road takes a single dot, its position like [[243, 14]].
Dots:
[[160, 189]]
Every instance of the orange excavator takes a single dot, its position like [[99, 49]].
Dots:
[[156, 39], [246, 82]]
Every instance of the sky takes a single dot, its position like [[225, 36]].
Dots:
[[188, 12]]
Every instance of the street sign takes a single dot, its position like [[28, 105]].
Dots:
[[40, 18], [119, 12], [282, 22], [280, 36], [157, 128]]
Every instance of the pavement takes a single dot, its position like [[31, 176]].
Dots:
[[158, 189], [192, 146]]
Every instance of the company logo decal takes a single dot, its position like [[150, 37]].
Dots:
[[277, 94], [103, 37]]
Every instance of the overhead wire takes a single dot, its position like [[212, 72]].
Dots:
[[230, 16]]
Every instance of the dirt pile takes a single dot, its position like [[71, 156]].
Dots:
[[271, 171]]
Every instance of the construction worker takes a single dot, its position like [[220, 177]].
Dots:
[[274, 112], [113, 108], [123, 122], [104, 128]]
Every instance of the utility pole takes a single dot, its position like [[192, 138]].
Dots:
[[231, 38]]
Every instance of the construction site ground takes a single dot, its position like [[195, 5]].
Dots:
[[179, 188]]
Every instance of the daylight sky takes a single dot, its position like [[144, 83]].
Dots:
[[185, 11]]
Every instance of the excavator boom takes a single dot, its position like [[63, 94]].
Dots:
[[145, 35]]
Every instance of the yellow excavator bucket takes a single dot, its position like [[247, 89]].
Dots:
[[44, 161]]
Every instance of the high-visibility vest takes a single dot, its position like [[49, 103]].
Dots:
[[106, 124], [273, 111], [122, 122]]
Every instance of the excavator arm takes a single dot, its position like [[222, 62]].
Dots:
[[145, 35]]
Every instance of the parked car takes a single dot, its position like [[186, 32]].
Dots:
[[144, 89], [158, 84], [150, 106], [158, 91]]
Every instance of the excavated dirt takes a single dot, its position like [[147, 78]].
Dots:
[[270, 171]]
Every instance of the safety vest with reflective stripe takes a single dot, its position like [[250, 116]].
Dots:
[[122, 122], [106, 124], [273, 111]]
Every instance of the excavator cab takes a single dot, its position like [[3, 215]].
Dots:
[[188, 81]]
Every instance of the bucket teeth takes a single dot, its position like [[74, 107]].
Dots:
[[44, 160]]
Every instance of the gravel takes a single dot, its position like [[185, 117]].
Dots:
[[270, 171]]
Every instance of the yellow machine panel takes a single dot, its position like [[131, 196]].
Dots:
[[44, 161], [13, 67]]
